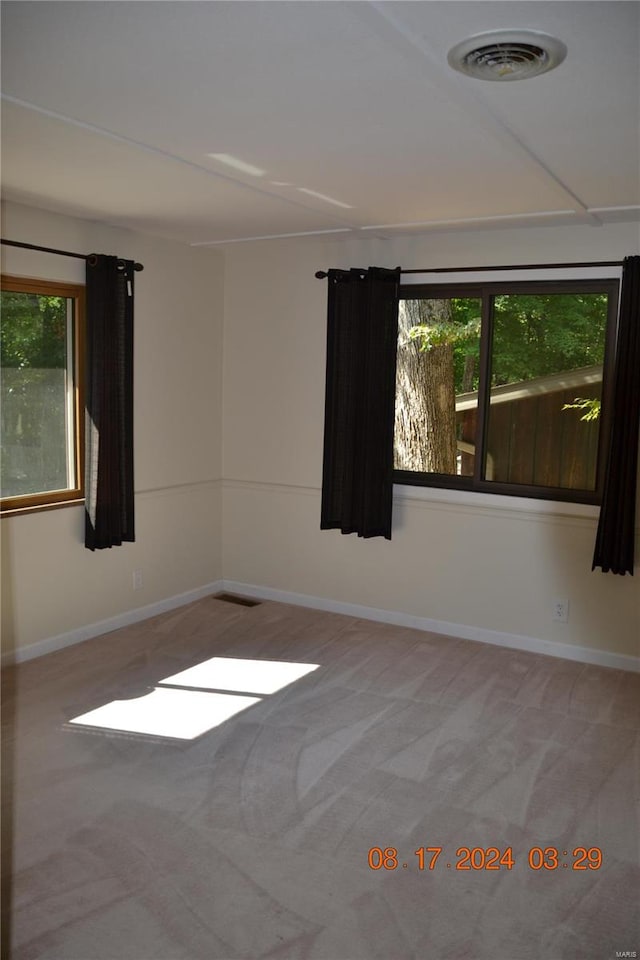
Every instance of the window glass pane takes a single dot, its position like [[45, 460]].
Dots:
[[36, 394], [545, 389], [437, 385]]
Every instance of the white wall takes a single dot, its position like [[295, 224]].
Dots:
[[466, 562], [52, 585], [472, 563]]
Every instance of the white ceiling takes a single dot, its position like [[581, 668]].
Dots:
[[110, 109]]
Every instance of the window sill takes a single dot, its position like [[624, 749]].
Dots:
[[17, 511], [496, 501]]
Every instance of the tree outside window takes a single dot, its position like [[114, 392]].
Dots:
[[40, 393], [503, 387]]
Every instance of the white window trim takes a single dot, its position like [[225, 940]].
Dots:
[[495, 501]]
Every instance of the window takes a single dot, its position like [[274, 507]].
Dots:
[[504, 387], [41, 394]]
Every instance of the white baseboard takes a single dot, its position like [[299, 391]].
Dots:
[[50, 644], [602, 658], [566, 651]]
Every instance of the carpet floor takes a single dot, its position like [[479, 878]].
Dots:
[[320, 788]]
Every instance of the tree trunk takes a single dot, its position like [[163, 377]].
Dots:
[[425, 427], [467, 375]]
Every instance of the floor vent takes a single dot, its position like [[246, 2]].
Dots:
[[234, 598]]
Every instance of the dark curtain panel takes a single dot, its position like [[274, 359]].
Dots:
[[362, 332], [109, 507], [616, 527]]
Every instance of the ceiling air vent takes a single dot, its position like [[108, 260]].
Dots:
[[507, 55]]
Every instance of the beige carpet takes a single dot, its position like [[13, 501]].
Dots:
[[253, 839]]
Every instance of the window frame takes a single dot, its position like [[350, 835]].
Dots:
[[71, 496], [486, 290]]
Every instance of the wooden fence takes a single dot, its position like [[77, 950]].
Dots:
[[532, 440]]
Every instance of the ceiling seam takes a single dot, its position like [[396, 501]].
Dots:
[[469, 101], [163, 154], [499, 220]]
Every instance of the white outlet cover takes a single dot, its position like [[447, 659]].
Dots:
[[560, 610]]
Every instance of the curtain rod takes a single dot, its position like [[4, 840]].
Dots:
[[321, 274], [59, 253]]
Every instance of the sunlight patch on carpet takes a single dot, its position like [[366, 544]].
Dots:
[[252, 676], [225, 687], [179, 714]]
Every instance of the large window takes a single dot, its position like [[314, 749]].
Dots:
[[504, 387], [41, 393]]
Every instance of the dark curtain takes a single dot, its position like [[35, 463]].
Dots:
[[109, 502], [616, 527], [362, 332]]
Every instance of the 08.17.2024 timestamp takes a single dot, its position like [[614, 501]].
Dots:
[[488, 858]]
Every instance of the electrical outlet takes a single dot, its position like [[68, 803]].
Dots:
[[137, 579], [560, 611]]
